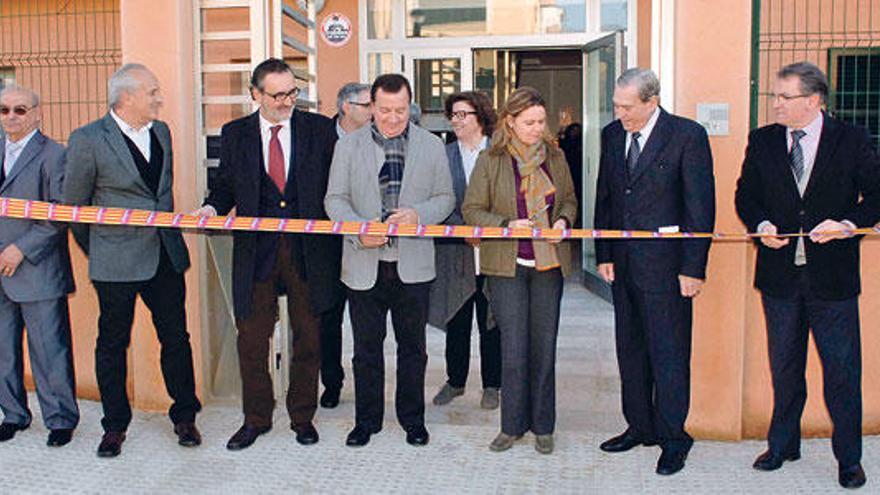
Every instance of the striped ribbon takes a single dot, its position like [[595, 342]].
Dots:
[[39, 210]]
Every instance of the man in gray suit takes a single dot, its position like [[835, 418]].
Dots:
[[124, 160], [35, 277], [398, 173]]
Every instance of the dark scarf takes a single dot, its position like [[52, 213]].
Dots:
[[391, 174]]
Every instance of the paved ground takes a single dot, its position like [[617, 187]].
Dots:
[[456, 461]]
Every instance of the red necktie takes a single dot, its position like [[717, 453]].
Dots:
[[276, 160]]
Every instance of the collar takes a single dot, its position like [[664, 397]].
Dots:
[[484, 142], [813, 129], [266, 126], [339, 130], [126, 127], [21, 143], [649, 126]]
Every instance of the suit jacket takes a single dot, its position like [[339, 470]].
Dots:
[[243, 183], [100, 171], [844, 185], [672, 185], [353, 195], [45, 272]]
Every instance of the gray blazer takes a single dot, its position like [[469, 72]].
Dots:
[[101, 171], [353, 195], [45, 273]]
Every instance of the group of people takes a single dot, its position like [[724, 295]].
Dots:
[[808, 173]]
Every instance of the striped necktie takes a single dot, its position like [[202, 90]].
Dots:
[[796, 155]]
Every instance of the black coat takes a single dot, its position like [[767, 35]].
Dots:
[[243, 183], [844, 185], [672, 185]]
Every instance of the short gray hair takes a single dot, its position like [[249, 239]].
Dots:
[[813, 80], [643, 79], [14, 88], [348, 92], [123, 81]]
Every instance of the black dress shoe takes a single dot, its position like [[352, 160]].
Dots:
[[306, 434], [7, 430], [360, 436], [851, 477], [59, 437], [670, 462], [769, 461], [111, 444], [246, 436], [417, 435], [625, 441], [330, 398], [187, 434]]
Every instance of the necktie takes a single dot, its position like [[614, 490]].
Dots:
[[632, 158], [796, 155], [12, 152], [276, 160]]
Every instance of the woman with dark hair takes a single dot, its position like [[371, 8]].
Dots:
[[459, 287], [523, 180]]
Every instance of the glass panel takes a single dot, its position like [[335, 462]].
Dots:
[[855, 87], [378, 64], [378, 19], [613, 15], [449, 18], [434, 80]]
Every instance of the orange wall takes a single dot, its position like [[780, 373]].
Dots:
[[337, 66]]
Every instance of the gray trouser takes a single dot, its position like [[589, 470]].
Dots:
[[526, 308], [48, 335]]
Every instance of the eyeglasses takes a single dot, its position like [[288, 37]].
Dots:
[[460, 115], [360, 104], [281, 96], [782, 97], [20, 110]]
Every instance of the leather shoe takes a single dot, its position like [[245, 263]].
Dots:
[[851, 477], [111, 444], [769, 461], [59, 437], [306, 434], [417, 435], [8, 430], [360, 436], [188, 435], [623, 442], [246, 436], [670, 462], [330, 398]]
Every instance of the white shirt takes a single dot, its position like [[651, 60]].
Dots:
[[283, 136], [809, 146], [13, 151], [469, 157], [140, 137], [644, 133]]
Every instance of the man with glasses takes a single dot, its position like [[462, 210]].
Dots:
[[810, 173], [35, 277], [275, 163]]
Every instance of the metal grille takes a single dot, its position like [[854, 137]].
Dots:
[[841, 36], [65, 50]]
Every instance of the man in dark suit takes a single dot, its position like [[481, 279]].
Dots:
[[35, 277], [124, 160], [275, 163], [810, 173], [655, 173]]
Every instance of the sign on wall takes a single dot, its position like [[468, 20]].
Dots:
[[336, 29]]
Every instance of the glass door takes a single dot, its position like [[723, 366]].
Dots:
[[603, 62], [434, 75]]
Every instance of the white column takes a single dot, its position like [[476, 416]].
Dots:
[[663, 49]]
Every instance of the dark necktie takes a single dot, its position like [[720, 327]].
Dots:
[[796, 155], [632, 157], [2, 174], [276, 159]]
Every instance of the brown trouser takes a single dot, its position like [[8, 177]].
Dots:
[[255, 332]]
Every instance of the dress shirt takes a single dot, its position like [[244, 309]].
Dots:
[[283, 136], [140, 137], [13, 151], [644, 133]]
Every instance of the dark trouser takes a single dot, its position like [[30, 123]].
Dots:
[[835, 326], [332, 373], [164, 295], [48, 335], [458, 342], [255, 332], [408, 304], [526, 308], [653, 335]]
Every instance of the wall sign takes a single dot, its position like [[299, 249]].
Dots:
[[336, 29], [715, 117]]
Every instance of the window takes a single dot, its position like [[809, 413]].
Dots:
[[378, 64], [7, 77], [855, 87], [449, 18], [613, 16], [435, 79], [378, 19]]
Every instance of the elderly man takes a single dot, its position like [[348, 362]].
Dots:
[[35, 277], [655, 173], [124, 160], [353, 106], [397, 173], [810, 172]]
